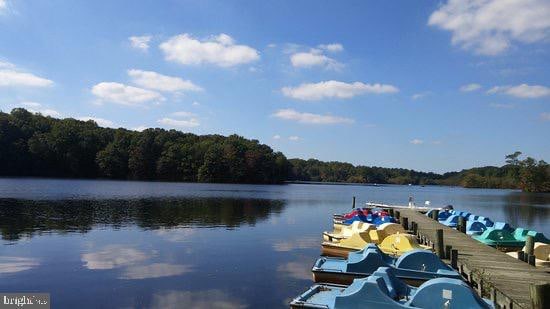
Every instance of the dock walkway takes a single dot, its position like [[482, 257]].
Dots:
[[494, 274]]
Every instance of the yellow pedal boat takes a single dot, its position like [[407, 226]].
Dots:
[[542, 254], [348, 231], [394, 244], [376, 235]]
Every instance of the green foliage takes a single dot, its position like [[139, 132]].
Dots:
[[34, 145]]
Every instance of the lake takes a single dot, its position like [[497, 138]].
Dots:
[[123, 244]]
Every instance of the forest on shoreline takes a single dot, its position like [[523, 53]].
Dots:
[[39, 146]]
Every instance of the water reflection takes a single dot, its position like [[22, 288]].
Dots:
[[26, 218], [155, 270], [14, 264], [214, 299], [113, 256]]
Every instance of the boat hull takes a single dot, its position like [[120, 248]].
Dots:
[[321, 276], [328, 249]]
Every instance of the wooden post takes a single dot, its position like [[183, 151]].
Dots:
[[462, 224], [413, 227], [397, 215], [521, 256], [448, 251], [439, 247], [530, 245], [353, 203], [435, 215], [391, 212], [540, 295], [405, 223], [531, 260], [454, 258]]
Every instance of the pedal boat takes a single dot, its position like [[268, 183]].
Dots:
[[414, 267], [394, 244], [521, 234], [502, 240], [370, 218], [383, 289], [542, 254], [348, 231]]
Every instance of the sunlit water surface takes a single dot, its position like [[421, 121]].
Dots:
[[160, 245]]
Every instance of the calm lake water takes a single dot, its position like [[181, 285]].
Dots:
[[160, 245]]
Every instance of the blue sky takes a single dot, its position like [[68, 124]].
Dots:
[[429, 85]]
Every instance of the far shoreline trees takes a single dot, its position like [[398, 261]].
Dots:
[[39, 146]]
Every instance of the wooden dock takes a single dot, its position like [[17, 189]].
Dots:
[[495, 275]]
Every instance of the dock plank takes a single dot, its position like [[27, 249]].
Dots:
[[505, 279]]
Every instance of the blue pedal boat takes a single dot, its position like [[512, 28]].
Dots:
[[451, 221], [370, 218], [414, 267], [384, 290], [503, 226], [475, 227], [442, 216]]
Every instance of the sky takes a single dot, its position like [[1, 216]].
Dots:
[[427, 85]]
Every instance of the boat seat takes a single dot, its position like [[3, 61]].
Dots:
[[396, 288]]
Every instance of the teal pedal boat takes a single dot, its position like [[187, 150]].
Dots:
[[383, 289], [521, 234], [503, 240], [414, 267]]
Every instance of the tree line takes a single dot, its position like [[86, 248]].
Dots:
[[35, 145]]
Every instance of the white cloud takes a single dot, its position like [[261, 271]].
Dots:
[[6, 65], [156, 81], [113, 256], [100, 121], [294, 138], [219, 50], [489, 27], [334, 47], [309, 118], [31, 104], [417, 141], [523, 91], [47, 112], [10, 77], [140, 42], [35, 107], [140, 128], [313, 58], [470, 87], [276, 136], [155, 270], [545, 116], [3, 6], [501, 105], [195, 103], [185, 123], [183, 114], [125, 95], [418, 96], [335, 89]]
